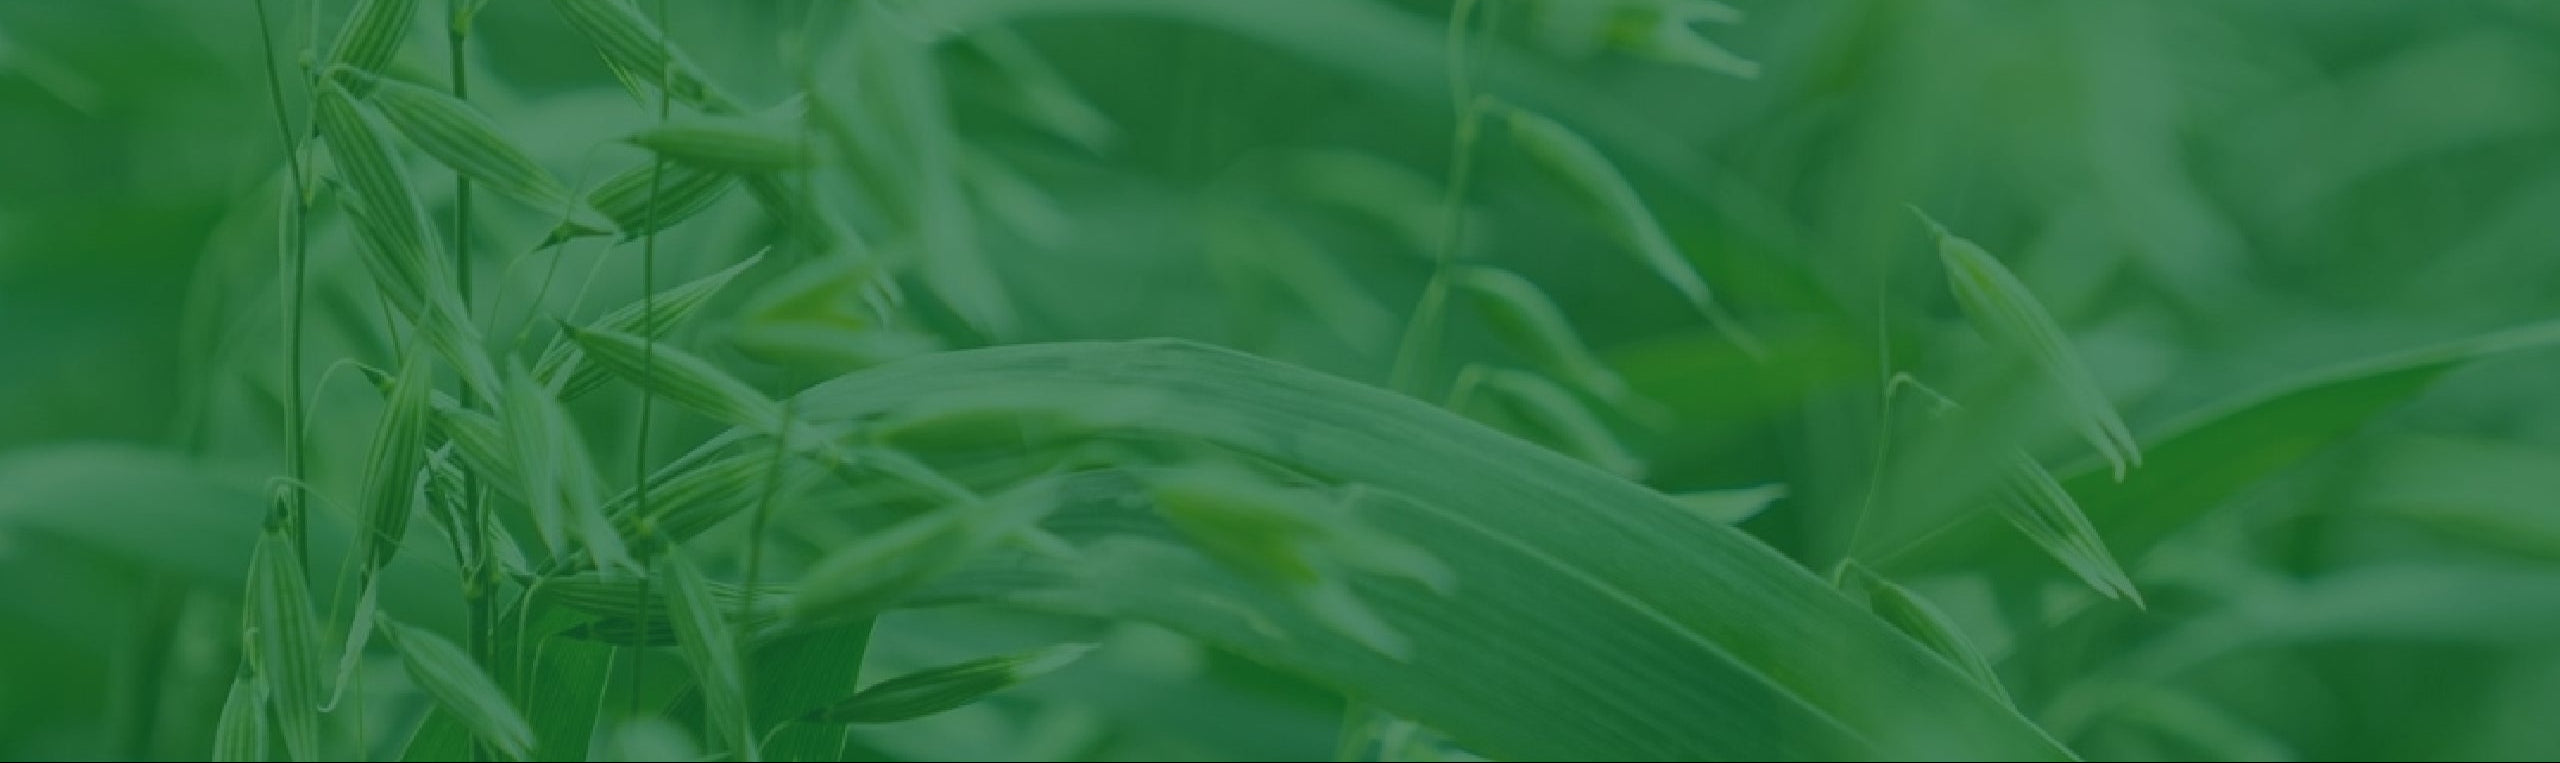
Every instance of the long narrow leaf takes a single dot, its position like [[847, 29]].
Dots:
[[397, 459], [286, 644], [465, 140], [559, 366], [712, 650], [461, 688], [1711, 644], [2004, 310], [373, 33]]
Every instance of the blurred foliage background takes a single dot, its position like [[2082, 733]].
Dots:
[[2217, 198]]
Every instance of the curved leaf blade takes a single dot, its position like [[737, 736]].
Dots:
[[1628, 629]]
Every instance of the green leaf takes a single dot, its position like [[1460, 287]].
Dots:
[[560, 367], [2038, 506], [1608, 196], [461, 688], [1591, 617], [703, 633], [373, 33], [468, 142], [2006, 312], [284, 643], [1554, 415], [680, 377], [634, 46], [936, 690], [2210, 455], [240, 733], [2493, 494], [399, 243], [649, 198], [738, 145], [559, 474], [803, 671], [596, 595], [2456, 603], [1732, 507], [861, 579], [690, 498], [1531, 324], [1922, 621], [649, 739], [398, 457]]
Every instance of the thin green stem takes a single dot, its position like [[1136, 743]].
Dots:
[[476, 578], [1423, 330], [648, 359], [1361, 724], [1884, 427], [295, 520]]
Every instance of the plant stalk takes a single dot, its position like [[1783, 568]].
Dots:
[[1423, 331]]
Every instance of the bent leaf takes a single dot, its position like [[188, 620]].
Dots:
[[461, 688], [1592, 617], [2038, 506], [2001, 307]]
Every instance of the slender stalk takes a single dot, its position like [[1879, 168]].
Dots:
[[457, 33], [1423, 330], [477, 580], [1362, 724], [1891, 382], [648, 361], [294, 243]]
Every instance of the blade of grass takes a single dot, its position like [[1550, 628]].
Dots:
[[712, 650], [461, 688], [2006, 312], [1589, 173], [1715, 645], [286, 648], [470, 144], [397, 458], [632, 43], [1922, 621], [626, 198], [373, 33], [2043, 511], [240, 733], [680, 377], [1531, 323], [560, 365], [737, 145]]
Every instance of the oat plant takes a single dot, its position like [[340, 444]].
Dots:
[[1234, 379]]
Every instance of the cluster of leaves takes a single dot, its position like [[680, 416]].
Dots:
[[1674, 455]]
